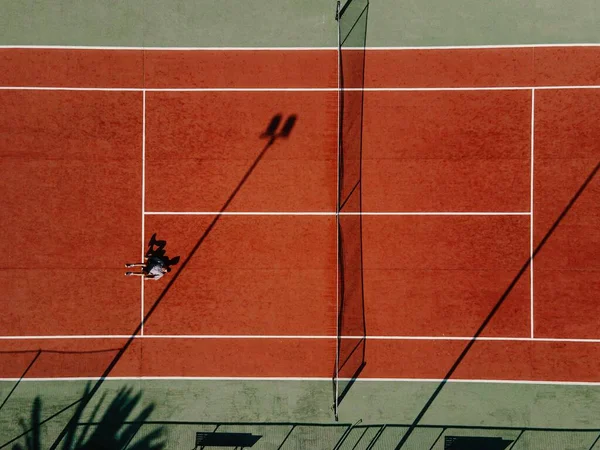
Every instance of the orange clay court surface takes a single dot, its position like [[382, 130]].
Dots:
[[448, 141]]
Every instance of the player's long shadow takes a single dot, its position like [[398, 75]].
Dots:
[[496, 307], [272, 136]]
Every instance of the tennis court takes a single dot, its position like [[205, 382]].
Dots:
[[385, 234]]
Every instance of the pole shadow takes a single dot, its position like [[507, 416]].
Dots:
[[496, 307], [272, 136]]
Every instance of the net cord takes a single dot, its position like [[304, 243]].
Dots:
[[337, 215]]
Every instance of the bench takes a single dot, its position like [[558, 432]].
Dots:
[[475, 443], [214, 439]]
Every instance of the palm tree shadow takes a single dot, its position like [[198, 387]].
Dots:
[[113, 431]]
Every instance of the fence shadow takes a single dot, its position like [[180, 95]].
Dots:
[[182, 435]]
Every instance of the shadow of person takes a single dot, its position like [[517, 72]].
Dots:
[[171, 262], [156, 249], [159, 244]]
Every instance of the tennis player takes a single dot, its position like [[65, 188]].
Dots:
[[153, 268]]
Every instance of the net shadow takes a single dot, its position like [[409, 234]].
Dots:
[[352, 329], [350, 358]]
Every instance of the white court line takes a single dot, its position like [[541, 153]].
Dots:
[[204, 89], [327, 379], [469, 338], [300, 89], [73, 336], [386, 48], [241, 213], [247, 89], [318, 213], [305, 337], [234, 336], [44, 88], [472, 88], [531, 222], [477, 47], [167, 49], [166, 336]]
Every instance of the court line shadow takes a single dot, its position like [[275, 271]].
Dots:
[[272, 136], [496, 307]]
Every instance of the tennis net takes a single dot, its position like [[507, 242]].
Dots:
[[351, 326]]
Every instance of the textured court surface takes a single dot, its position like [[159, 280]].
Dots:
[[459, 159], [474, 160]]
